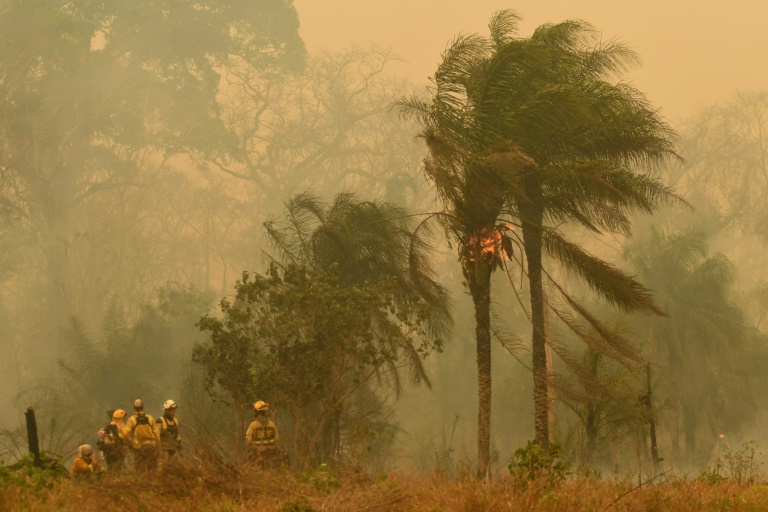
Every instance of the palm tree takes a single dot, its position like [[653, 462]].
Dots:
[[705, 329], [530, 132]]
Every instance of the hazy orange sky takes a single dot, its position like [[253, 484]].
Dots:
[[694, 52]]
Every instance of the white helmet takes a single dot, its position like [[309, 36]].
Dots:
[[138, 404], [169, 404]]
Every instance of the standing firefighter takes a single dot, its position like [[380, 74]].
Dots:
[[261, 438], [168, 427], [144, 438], [113, 442]]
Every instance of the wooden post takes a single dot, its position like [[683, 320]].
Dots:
[[34, 444]]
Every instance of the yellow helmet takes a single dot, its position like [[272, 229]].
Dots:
[[119, 414], [261, 405]]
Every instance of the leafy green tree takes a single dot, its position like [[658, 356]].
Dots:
[[308, 342], [354, 247], [533, 132]]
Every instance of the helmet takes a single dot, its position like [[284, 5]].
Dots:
[[261, 405], [138, 404], [169, 404], [84, 449], [119, 414]]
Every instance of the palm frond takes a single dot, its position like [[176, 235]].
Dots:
[[604, 278], [503, 26]]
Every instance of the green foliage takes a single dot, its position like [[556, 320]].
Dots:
[[306, 342], [533, 462], [713, 475], [538, 133], [323, 478], [30, 478]]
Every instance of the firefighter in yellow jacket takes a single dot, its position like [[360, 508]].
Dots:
[[168, 429], [113, 442], [86, 464], [261, 436], [145, 440]]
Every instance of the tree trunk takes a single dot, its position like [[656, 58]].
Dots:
[[480, 288], [550, 376], [532, 215], [674, 399], [32, 439], [651, 422]]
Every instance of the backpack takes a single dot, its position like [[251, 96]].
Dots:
[[144, 431]]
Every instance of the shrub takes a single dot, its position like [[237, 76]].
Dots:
[[534, 463]]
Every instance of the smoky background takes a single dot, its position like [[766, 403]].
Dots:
[[138, 168]]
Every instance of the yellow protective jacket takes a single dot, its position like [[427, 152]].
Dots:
[[116, 439], [261, 434], [82, 468], [141, 428]]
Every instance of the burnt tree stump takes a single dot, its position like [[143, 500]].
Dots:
[[34, 443]]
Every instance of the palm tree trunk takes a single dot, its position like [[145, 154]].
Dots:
[[480, 288], [550, 377], [532, 216]]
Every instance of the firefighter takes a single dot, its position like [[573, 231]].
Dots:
[[86, 465], [168, 428], [144, 438], [113, 442], [261, 437]]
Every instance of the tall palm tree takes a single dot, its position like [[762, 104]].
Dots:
[[531, 132]]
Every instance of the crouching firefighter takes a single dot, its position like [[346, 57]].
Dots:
[[86, 465], [170, 437], [261, 438]]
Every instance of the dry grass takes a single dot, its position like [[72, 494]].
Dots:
[[219, 487]]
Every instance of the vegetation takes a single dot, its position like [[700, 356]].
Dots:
[[212, 487], [341, 314], [615, 270], [530, 132]]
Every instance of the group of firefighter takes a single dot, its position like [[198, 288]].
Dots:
[[155, 443]]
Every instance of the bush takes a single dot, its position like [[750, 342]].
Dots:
[[534, 463], [740, 466]]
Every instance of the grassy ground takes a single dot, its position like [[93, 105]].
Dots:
[[225, 488]]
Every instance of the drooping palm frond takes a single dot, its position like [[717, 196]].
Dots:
[[604, 278]]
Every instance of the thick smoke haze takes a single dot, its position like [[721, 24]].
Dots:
[[287, 140], [693, 53]]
